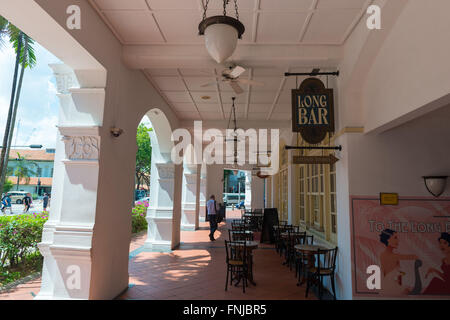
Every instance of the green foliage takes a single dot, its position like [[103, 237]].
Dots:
[[138, 221], [24, 169], [7, 186], [19, 236], [27, 57], [30, 264], [143, 155]]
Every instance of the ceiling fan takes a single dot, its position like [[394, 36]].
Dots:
[[231, 76]]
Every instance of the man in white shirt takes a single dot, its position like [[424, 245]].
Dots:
[[211, 208]]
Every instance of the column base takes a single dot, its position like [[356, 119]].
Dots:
[[188, 227], [154, 246]]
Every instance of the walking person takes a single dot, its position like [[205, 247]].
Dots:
[[7, 204], [27, 202], [3, 202], [45, 202], [211, 208]]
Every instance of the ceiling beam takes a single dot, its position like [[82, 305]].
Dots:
[[196, 56], [245, 124]]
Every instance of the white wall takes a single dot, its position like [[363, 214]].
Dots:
[[396, 160], [412, 67], [128, 97]]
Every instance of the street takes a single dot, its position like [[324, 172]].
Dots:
[[18, 208]]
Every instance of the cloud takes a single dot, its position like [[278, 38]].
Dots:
[[38, 105]]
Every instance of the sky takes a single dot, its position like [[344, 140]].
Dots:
[[38, 104]]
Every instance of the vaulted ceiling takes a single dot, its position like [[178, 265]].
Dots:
[[161, 38]]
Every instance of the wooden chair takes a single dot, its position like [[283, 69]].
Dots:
[[237, 262], [237, 225], [240, 235], [302, 260], [294, 237], [325, 266]]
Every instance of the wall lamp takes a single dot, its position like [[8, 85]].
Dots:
[[435, 184]]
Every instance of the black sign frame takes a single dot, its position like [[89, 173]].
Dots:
[[312, 86]]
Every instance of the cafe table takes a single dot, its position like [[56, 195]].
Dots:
[[250, 246], [309, 250]]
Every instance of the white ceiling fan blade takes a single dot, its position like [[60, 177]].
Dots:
[[236, 72], [251, 82], [236, 88]]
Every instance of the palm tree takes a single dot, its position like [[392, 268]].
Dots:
[[23, 170], [26, 58]]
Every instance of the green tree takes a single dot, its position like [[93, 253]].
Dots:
[[143, 156], [25, 58], [7, 186], [24, 169]]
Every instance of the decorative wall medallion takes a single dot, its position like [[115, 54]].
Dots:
[[166, 170], [81, 147], [64, 81]]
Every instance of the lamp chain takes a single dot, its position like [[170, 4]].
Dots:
[[236, 8], [205, 8], [225, 2]]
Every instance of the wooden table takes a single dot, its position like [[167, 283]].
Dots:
[[250, 245], [286, 234], [309, 250]]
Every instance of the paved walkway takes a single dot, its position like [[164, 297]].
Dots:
[[196, 271]]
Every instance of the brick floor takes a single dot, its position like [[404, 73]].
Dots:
[[196, 271]]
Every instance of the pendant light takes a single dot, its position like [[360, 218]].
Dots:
[[221, 32]]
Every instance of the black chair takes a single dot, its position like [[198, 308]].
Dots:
[[325, 266], [237, 225], [301, 260], [240, 235], [293, 238], [237, 262]]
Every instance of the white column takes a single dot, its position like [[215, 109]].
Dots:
[[257, 193], [68, 234], [248, 190], [274, 190], [160, 211], [190, 199], [202, 197]]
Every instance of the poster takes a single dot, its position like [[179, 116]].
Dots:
[[410, 243]]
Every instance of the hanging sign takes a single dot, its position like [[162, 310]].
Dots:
[[312, 110], [330, 159]]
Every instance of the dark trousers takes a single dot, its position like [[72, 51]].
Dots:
[[212, 224]]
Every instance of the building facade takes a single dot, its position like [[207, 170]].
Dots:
[[136, 58], [40, 163]]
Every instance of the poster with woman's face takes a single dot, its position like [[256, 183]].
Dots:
[[401, 251]]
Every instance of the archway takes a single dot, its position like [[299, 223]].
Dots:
[[164, 212]]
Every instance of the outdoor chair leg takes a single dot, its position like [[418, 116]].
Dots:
[[320, 287], [307, 287], [226, 281], [333, 286]]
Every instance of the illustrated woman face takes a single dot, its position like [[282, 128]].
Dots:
[[393, 241], [444, 245]]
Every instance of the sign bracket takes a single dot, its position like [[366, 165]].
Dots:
[[311, 74], [313, 148]]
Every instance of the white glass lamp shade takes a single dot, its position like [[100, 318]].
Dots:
[[435, 184], [220, 41]]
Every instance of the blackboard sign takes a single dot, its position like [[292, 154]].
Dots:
[[270, 220]]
